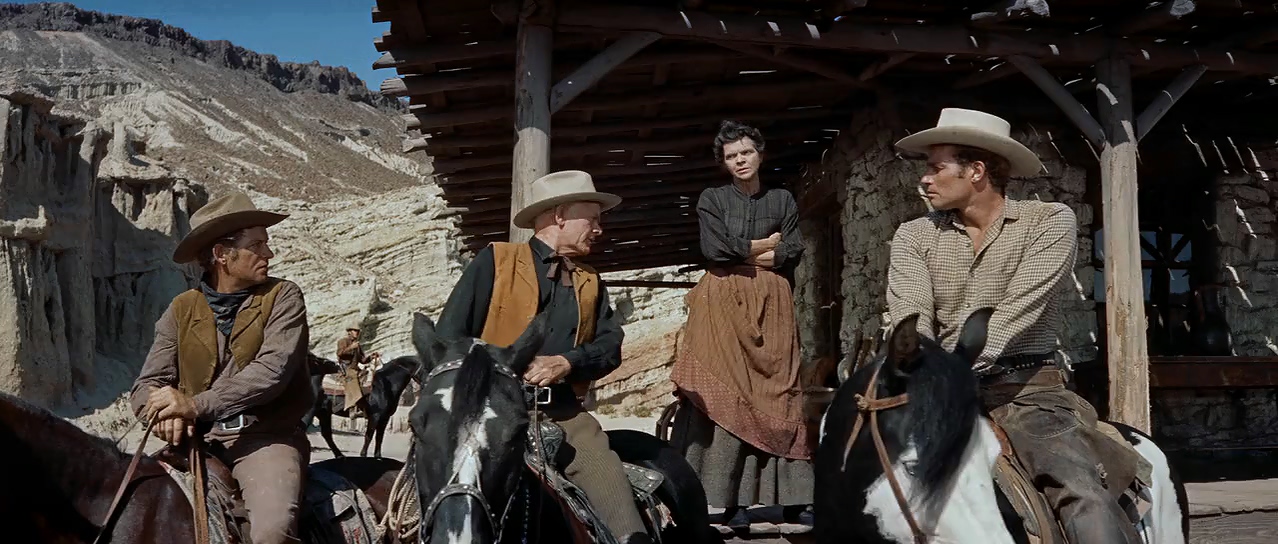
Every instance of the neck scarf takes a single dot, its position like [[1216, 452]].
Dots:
[[224, 305]]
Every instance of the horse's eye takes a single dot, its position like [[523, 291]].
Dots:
[[910, 467]]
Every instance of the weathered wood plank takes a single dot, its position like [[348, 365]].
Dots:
[[457, 80], [588, 74], [531, 158], [1124, 288], [1249, 528], [874, 70]]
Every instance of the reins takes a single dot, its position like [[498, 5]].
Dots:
[[869, 403], [124, 484]]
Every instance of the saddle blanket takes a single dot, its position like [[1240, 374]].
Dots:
[[338, 504], [215, 503]]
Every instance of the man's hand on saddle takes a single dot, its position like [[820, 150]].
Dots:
[[547, 370], [174, 412]]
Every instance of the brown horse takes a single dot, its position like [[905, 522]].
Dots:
[[58, 483]]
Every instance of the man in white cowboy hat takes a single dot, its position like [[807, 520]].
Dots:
[[979, 248], [351, 355], [507, 284], [228, 364]]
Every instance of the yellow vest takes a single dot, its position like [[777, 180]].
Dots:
[[197, 334], [516, 293]]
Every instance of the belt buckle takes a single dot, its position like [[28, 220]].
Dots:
[[237, 421], [541, 392]]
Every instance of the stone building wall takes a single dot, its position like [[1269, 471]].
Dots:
[[878, 190]]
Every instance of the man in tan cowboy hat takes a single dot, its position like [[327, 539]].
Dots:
[[229, 364], [507, 284], [978, 249], [351, 355]]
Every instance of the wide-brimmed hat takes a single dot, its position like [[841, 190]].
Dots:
[[977, 129], [353, 326], [220, 217], [558, 188]]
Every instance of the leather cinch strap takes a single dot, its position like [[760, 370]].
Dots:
[[124, 484], [869, 403]]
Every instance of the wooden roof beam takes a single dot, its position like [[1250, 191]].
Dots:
[[1167, 98], [452, 80], [999, 71], [926, 39], [874, 70], [593, 70], [1064, 100], [1006, 10], [823, 69], [1158, 15], [599, 129]]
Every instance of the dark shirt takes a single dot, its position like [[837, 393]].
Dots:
[[467, 309], [730, 219]]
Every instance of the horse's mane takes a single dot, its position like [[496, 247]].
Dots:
[[944, 404], [472, 386], [76, 458]]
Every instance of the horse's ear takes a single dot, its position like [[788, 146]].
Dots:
[[971, 340], [903, 346], [527, 345], [425, 340]]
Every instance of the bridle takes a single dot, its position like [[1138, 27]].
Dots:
[[869, 403], [455, 488]]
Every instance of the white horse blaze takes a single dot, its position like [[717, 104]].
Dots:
[[472, 441]]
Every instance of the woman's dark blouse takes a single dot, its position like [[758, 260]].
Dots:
[[730, 219]]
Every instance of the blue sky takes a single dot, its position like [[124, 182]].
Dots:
[[333, 32]]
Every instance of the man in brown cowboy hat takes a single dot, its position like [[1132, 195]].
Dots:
[[229, 364], [978, 249], [507, 284], [351, 355]]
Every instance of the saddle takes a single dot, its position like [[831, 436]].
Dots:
[[1131, 486], [588, 526], [335, 385], [334, 510]]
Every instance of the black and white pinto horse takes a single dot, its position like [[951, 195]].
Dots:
[[471, 425], [943, 449], [389, 383]]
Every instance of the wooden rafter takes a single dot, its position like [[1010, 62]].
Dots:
[[1006, 10], [824, 69], [588, 74], [929, 39], [1157, 15], [1167, 98], [1063, 99], [877, 68]]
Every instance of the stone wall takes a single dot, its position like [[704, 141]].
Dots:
[[1246, 223], [86, 236], [878, 190]]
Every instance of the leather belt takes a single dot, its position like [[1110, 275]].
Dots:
[[236, 423], [1005, 368]]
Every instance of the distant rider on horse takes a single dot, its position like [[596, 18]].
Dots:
[[229, 364], [507, 284], [979, 248], [350, 353]]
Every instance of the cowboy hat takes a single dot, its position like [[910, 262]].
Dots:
[[558, 188], [977, 129], [353, 326], [220, 217]]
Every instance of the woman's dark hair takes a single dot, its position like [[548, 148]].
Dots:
[[731, 131], [996, 167]]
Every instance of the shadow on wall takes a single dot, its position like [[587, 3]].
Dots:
[[86, 234]]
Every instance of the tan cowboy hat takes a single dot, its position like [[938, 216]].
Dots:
[[558, 188], [977, 129], [220, 217], [354, 326]]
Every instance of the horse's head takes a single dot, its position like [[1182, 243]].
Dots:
[[929, 433], [320, 366], [470, 424]]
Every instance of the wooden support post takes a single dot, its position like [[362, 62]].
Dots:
[[532, 117], [1127, 355], [1166, 99], [598, 66], [1063, 99]]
